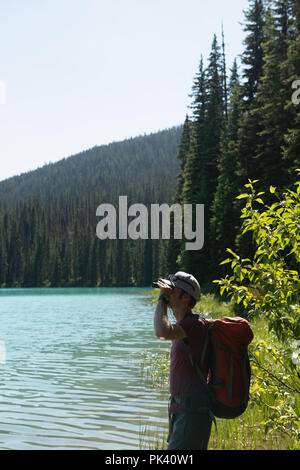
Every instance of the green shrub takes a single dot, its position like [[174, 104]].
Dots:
[[268, 286]]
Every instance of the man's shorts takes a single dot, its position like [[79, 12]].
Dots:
[[190, 431]]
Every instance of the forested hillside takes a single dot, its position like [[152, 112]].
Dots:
[[48, 216], [243, 125]]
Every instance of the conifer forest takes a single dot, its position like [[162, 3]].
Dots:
[[243, 124]]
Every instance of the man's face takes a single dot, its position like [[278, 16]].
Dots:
[[177, 297]]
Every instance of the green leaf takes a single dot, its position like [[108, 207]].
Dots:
[[247, 229], [222, 290], [272, 190], [242, 196], [226, 261], [232, 253]]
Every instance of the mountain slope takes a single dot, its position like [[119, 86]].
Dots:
[[48, 216], [117, 165]]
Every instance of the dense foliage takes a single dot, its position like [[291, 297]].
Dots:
[[248, 129], [269, 287]]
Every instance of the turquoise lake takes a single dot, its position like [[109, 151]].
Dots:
[[70, 369]]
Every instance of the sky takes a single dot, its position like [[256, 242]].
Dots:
[[80, 73]]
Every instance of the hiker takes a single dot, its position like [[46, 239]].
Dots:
[[190, 418]]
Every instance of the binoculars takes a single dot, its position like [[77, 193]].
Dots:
[[155, 285]]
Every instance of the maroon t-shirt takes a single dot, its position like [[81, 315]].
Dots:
[[183, 378]]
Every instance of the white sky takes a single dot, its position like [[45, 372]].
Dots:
[[80, 73]]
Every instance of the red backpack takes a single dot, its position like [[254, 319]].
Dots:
[[226, 344]]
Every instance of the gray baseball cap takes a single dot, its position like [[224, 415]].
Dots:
[[186, 282]]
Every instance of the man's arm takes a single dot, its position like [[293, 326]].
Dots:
[[162, 326]]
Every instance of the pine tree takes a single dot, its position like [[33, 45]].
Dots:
[[201, 172], [39, 262], [184, 148], [224, 76], [252, 61], [147, 263], [273, 94], [250, 125], [213, 122], [174, 246], [224, 222], [193, 188], [56, 280], [94, 275], [253, 57]]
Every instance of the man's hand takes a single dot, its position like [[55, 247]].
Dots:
[[164, 288]]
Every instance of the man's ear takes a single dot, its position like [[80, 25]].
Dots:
[[186, 296]]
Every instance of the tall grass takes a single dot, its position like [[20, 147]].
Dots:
[[247, 432]]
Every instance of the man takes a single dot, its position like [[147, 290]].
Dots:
[[190, 417]]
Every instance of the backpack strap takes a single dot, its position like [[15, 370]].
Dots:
[[194, 364], [187, 350], [205, 345], [200, 375]]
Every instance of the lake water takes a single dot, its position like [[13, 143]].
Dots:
[[70, 373]]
